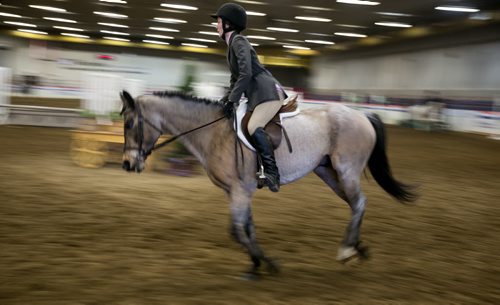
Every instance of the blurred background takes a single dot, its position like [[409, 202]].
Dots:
[[76, 229]]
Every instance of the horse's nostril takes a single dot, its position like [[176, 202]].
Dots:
[[126, 165]]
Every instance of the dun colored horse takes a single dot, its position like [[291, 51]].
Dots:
[[334, 141]]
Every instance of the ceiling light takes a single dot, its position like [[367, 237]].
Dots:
[[360, 2], [252, 2], [285, 21], [116, 38], [351, 26], [32, 31], [163, 29], [67, 28], [320, 41], [260, 37], [457, 9], [194, 45], [209, 33], [48, 8], [60, 19], [319, 34], [180, 6], [169, 20], [113, 25], [171, 11], [308, 18], [481, 16], [393, 14], [114, 1], [314, 8], [282, 29], [394, 24], [155, 42], [159, 36], [114, 33], [75, 35], [254, 44], [349, 34], [296, 47], [250, 13], [259, 30], [10, 15], [111, 15], [20, 24], [202, 40]]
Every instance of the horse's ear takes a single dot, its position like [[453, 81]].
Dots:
[[128, 101]]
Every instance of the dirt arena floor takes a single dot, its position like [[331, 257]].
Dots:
[[70, 235]]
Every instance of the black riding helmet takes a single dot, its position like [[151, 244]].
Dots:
[[234, 14]]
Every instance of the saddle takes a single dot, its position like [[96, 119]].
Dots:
[[274, 127]]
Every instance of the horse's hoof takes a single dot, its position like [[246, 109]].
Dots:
[[251, 276], [272, 266], [363, 252], [346, 254], [349, 254]]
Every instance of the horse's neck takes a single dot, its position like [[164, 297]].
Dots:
[[178, 116]]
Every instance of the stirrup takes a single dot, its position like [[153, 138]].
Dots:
[[260, 173], [261, 178]]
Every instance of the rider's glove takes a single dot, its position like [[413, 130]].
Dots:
[[229, 110]]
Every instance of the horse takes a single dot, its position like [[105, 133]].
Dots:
[[334, 141]]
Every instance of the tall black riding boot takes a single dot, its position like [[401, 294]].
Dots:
[[264, 147]]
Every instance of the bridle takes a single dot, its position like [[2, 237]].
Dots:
[[140, 133], [144, 153]]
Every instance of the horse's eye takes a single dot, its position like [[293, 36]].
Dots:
[[129, 124]]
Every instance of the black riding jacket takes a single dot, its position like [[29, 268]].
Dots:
[[248, 75]]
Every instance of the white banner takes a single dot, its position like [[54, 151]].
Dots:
[[101, 91]]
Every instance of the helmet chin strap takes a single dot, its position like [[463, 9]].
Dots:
[[226, 28]]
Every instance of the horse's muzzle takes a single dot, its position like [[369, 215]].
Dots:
[[126, 165], [137, 167]]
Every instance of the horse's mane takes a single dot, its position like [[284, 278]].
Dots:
[[188, 97]]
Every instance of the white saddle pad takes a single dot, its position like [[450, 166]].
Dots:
[[240, 113]]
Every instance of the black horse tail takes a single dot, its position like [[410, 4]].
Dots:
[[380, 169]]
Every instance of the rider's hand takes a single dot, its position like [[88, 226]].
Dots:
[[224, 100], [229, 110]]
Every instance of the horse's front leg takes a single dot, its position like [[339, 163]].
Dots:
[[243, 231]]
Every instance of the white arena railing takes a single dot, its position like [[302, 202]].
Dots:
[[42, 116], [5, 85]]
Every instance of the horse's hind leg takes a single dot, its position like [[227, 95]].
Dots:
[[351, 187], [329, 176], [347, 186]]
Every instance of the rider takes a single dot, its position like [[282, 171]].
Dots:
[[264, 93]]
